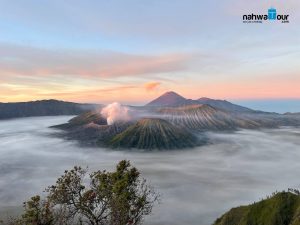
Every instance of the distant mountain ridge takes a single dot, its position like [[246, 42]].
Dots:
[[172, 99], [42, 108], [223, 104], [169, 122], [54, 107]]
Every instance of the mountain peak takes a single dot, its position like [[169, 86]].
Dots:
[[210, 99], [172, 99], [204, 98], [171, 93], [168, 98]]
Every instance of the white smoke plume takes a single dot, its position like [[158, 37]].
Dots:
[[116, 112]]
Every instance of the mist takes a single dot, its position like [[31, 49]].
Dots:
[[115, 112], [197, 185]]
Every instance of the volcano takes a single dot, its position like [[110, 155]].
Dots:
[[169, 99], [169, 122], [154, 133], [90, 117], [205, 117], [91, 129], [172, 99]]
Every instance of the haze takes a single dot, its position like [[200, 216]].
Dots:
[[131, 51], [197, 185]]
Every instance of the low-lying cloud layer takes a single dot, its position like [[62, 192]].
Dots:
[[197, 185]]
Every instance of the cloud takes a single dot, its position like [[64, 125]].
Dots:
[[96, 92], [150, 86], [22, 60], [115, 112], [9, 92]]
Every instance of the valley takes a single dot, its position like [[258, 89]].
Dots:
[[197, 184]]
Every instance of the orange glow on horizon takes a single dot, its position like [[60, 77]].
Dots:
[[146, 92]]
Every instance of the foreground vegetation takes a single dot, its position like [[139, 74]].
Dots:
[[121, 197], [281, 208]]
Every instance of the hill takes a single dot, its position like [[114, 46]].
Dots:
[[42, 108], [169, 122], [281, 209], [206, 117], [171, 127], [292, 114], [169, 99], [153, 133], [172, 99], [84, 119], [90, 129], [225, 105]]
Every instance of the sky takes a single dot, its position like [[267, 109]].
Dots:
[[132, 51]]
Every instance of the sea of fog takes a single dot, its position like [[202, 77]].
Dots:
[[197, 185]]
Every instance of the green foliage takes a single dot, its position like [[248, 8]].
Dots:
[[102, 198], [38, 212], [281, 208]]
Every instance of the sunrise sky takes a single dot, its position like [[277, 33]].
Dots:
[[134, 50]]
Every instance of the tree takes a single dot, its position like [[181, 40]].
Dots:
[[36, 212], [120, 197]]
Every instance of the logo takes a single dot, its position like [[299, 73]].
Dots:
[[271, 16]]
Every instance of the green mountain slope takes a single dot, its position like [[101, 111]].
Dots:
[[281, 209], [153, 133]]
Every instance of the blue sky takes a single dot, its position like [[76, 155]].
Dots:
[[132, 51]]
